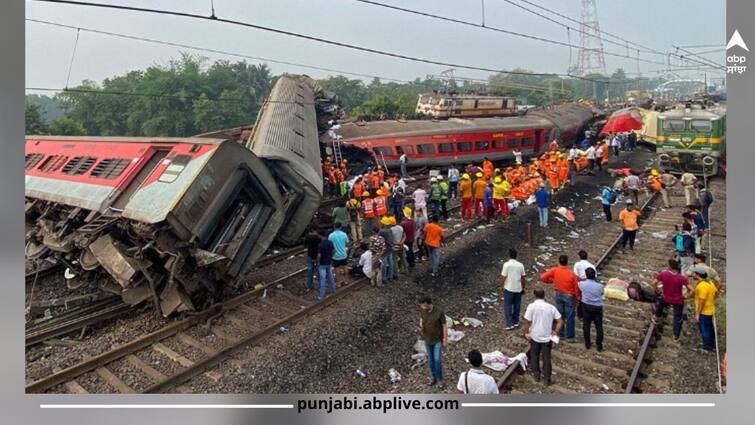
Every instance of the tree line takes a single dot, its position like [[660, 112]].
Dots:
[[189, 95]]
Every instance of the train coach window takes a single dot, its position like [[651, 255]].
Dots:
[[446, 147], [426, 148], [513, 142], [78, 165], [177, 164], [528, 141], [481, 145], [464, 146], [31, 159], [109, 168], [383, 150], [701, 125], [673, 125]]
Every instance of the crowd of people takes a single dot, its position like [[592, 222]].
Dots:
[[391, 229]]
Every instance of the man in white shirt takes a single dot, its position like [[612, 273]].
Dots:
[[615, 144], [590, 153], [542, 322], [582, 265], [573, 153], [517, 155], [475, 381], [512, 282], [599, 156], [420, 199], [402, 162]]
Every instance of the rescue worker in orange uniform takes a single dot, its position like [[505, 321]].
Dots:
[[465, 193], [380, 203], [368, 211], [533, 168], [521, 172], [563, 170], [509, 174], [487, 168], [656, 184], [605, 153], [478, 187], [375, 181], [358, 188]]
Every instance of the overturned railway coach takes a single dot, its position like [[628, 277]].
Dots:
[[435, 143], [166, 218]]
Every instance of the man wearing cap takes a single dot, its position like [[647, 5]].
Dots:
[[705, 307], [465, 192], [500, 191], [543, 199], [629, 218], [655, 181], [713, 276], [479, 194], [354, 208], [552, 174]]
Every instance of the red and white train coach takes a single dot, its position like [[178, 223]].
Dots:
[[166, 218], [436, 143]]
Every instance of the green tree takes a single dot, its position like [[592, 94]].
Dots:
[[34, 122], [65, 126]]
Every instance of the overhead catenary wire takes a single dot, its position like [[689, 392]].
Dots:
[[73, 55], [627, 42], [211, 50], [305, 37], [490, 28]]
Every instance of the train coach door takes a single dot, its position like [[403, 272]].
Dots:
[[158, 154]]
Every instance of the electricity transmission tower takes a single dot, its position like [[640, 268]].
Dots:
[[591, 58]]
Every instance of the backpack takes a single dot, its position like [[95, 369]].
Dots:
[[611, 198], [679, 242]]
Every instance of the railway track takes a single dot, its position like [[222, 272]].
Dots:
[[193, 345], [632, 341]]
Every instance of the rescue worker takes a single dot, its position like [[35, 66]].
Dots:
[[375, 181], [368, 211], [479, 194], [465, 192], [521, 172], [435, 196], [380, 204], [604, 153], [487, 168], [501, 190], [354, 208], [551, 174], [509, 174], [654, 180], [443, 197], [533, 168], [563, 170], [553, 145], [357, 188]]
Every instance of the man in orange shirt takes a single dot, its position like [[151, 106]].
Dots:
[[479, 195], [629, 218], [565, 283], [433, 240], [487, 168]]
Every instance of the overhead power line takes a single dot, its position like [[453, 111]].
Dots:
[[627, 42], [496, 29], [303, 36], [211, 50]]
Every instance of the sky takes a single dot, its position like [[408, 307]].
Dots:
[[657, 24]]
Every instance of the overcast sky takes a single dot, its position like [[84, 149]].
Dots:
[[657, 24]]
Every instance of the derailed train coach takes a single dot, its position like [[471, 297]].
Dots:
[[286, 135], [175, 220], [168, 219]]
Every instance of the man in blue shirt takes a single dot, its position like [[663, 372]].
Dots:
[[326, 267], [592, 308], [340, 240], [488, 202], [543, 199], [605, 200]]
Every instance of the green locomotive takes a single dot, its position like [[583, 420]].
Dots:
[[692, 138]]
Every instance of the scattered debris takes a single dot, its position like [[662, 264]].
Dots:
[[471, 321], [360, 373], [394, 376]]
